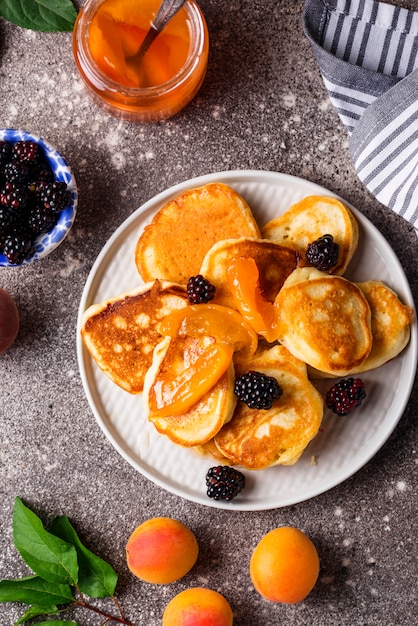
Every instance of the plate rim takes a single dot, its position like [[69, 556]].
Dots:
[[228, 177]]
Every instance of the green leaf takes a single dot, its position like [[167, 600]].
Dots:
[[57, 622], [48, 556], [43, 15], [35, 590], [35, 611], [96, 578]]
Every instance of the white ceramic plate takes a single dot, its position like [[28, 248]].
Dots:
[[343, 445]]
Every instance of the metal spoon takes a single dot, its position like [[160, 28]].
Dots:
[[166, 11]]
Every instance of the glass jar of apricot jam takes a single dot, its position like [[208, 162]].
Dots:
[[108, 32]]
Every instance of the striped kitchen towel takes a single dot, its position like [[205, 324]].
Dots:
[[367, 52]]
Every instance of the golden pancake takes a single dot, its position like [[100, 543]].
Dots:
[[204, 419], [209, 449], [310, 219], [122, 332], [324, 320], [274, 263], [257, 439], [391, 323], [172, 247]]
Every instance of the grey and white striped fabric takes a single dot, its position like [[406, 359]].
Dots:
[[367, 52]]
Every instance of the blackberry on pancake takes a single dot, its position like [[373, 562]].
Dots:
[[310, 219], [259, 438]]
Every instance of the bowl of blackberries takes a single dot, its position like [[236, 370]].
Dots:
[[38, 198]]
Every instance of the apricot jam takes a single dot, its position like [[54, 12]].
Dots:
[[243, 282], [108, 32], [176, 395], [214, 320]]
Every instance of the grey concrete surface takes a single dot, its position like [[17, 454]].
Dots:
[[262, 106]]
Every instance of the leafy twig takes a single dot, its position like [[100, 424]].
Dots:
[[62, 565]]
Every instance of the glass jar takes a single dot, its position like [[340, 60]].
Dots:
[[107, 32]]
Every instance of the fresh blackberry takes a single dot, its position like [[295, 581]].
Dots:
[[16, 173], [39, 176], [257, 390], [200, 290], [26, 151], [6, 220], [30, 198], [40, 219], [5, 152], [54, 196], [224, 482], [345, 396], [13, 195], [16, 247], [323, 253]]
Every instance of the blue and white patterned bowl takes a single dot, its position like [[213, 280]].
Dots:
[[45, 243]]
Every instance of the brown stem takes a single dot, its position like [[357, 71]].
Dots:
[[109, 618]]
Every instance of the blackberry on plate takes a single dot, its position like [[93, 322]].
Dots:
[[323, 253], [224, 482], [6, 219], [345, 395], [39, 176], [200, 290], [257, 390]]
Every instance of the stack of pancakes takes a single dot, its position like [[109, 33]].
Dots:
[[324, 325]]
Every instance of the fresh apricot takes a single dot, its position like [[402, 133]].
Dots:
[[198, 606], [161, 550], [9, 320], [284, 566]]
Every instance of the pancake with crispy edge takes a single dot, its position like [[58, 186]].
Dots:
[[122, 332], [257, 439]]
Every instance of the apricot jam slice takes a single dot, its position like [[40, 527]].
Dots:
[[107, 49], [243, 282], [213, 320], [175, 396]]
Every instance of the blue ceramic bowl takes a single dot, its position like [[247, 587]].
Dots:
[[46, 242]]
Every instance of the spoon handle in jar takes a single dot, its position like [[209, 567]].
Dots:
[[166, 11]]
